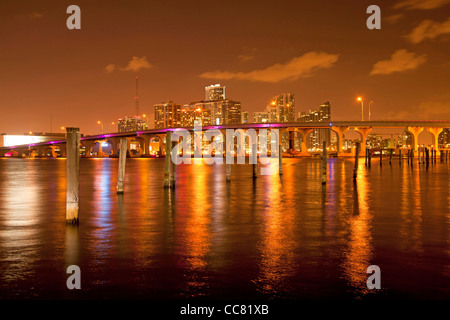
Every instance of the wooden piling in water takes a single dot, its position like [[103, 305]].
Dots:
[[72, 175], [355, 169], [381, 157], [167, 159], [418, 150], [254, 160], [427, 153], [370, 158], [122, 164], [324, 163], [173, 174], [408, 155], [228, 171], [173, 168], [399, 156], [280, 159], [412, 157], [366, 156], [390, 156]]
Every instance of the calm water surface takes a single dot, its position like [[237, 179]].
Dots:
[[271, 238]]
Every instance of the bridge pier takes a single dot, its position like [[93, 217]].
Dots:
[[145, 144], [87, 147], [364, 132], [340, 138], [415, 131], [304, 135], [435, 132]]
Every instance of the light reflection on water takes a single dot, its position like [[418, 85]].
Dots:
[[272, 237]]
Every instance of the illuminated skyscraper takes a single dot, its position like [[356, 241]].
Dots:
[[260, 117], [231, 111], [444, 138], [316, 138], [282, 108], [214, 92], [167, 115], [244, 117], [135, 123]]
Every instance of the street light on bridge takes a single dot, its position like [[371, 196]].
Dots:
[[371, 101], [362, 107], [99, 122]]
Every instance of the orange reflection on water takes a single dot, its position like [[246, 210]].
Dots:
[[358, 254], [103, 236], [277, 239], [19, 205], [197, 232], [410, 233]]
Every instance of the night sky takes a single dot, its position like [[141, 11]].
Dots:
[[318, 50]]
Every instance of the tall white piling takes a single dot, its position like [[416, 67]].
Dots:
[[72, 175], [324, 163], [167, 159], [254, 160], [122, 164]]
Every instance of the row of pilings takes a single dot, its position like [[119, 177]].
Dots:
[[425, 157]]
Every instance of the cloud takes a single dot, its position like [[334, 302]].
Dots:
[[401, 60], [394, 18], [245, 57], [302, 66], [36, 15], [135, 64], [110, 68], [428, 29], [421, 4]]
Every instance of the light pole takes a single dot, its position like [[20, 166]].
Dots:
[[362, 107], [371, 101], [99, 122]]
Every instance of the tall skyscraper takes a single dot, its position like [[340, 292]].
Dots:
[[231, 111], [244, 117], [167, 115], [135, 123], [444, 138], [260, 117], [214, 92], [316, 138], [282, 108], [215, 110], [197, 111]]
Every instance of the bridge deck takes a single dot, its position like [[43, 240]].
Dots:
[[312, 125]]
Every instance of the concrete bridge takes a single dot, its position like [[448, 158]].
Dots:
[[156, 137]]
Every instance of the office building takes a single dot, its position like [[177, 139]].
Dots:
[[167, 115], [214, 92], [135, 123], [260, 117], [316, 138]]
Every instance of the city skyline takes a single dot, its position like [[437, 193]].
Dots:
[[79, 77]]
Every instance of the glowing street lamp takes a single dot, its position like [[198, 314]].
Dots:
[[362, 107], [371, 101], [99, 122]]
